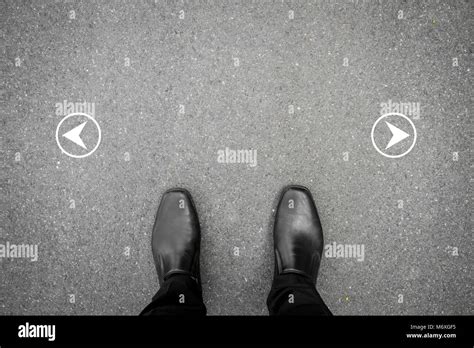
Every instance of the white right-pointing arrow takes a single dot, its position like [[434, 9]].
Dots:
[[397, 135], [74, 135]]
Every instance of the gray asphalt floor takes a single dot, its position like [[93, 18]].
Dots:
[[175, 88]]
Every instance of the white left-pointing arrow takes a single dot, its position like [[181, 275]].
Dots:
[[74, 135]]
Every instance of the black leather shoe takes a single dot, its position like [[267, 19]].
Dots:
[[297, 234], [176, 238]]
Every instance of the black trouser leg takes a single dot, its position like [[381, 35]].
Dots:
[[294, 294], [178, 295]]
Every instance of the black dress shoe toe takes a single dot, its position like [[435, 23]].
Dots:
[[298, 235], [176, 236]]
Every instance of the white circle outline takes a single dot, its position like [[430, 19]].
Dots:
[[393, 114], [78, 114]]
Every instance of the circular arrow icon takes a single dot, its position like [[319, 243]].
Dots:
[[74, 134], [397, 134]]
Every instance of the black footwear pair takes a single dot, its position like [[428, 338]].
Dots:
[[297, 235]]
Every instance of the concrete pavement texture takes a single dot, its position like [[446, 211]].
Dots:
[[176, 87]]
